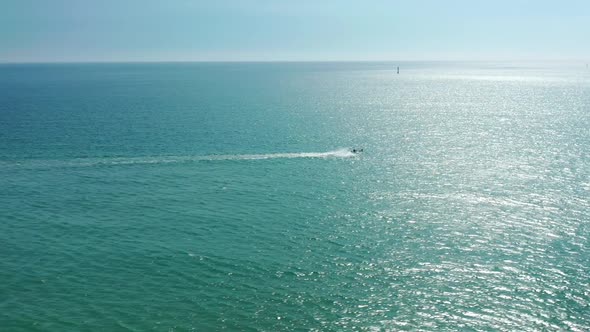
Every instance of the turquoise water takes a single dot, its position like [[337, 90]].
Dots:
[[223, 196]]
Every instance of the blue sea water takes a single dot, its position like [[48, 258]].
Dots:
[[223, 196]]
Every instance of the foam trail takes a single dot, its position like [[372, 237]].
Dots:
[[122, 161], [342, 153]]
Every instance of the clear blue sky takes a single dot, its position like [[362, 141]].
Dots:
[[177, 30]]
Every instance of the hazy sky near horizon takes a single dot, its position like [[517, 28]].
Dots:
[[251, 30]]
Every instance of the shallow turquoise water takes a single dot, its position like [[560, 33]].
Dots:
[[222, 197]]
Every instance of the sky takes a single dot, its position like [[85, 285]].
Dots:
[[283, 30]]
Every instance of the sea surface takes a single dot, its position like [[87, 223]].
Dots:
[[224, 196]]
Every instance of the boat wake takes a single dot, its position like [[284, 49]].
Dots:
[[342, 153], [121, 161]]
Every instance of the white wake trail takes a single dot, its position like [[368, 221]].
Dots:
[[341, 153], [122, 161]]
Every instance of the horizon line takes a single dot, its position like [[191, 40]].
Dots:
[[285, 61]]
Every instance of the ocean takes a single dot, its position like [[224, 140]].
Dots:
[[225, 196]]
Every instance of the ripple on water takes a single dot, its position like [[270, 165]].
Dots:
[[192, 208]]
